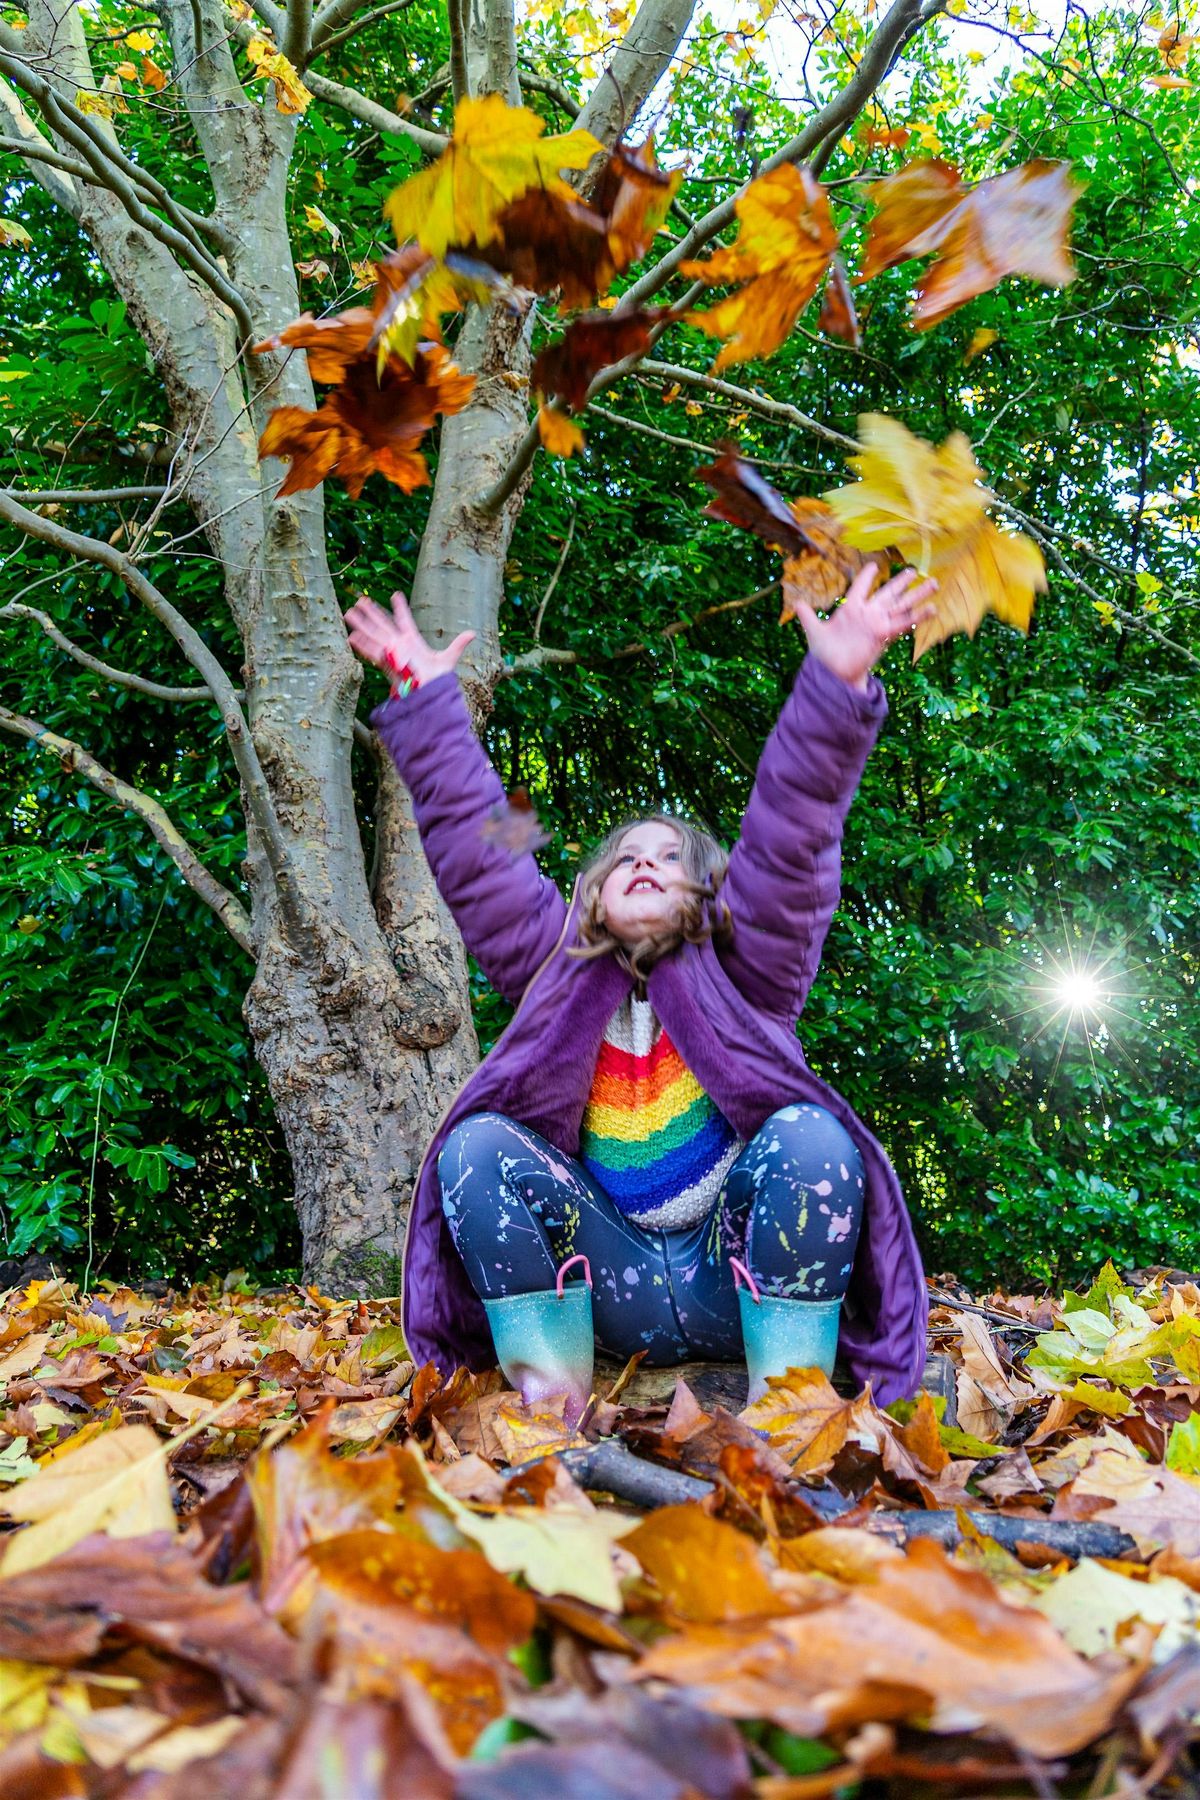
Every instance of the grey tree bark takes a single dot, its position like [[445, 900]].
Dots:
[[358, 1000]]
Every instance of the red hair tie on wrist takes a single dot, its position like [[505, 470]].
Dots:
[[406, 681]]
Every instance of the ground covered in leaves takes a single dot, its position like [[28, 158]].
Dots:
[[250, 1551]]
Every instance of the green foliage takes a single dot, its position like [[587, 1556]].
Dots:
[[1033, 805]]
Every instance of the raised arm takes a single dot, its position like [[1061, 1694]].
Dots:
[[785, 870], [509, 913]]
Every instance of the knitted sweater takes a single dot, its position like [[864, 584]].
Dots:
[[654, 1140]]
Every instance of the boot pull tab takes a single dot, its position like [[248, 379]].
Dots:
[[739, 1270], [570, 1264]]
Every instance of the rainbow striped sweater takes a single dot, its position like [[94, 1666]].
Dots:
[[650, 1135]]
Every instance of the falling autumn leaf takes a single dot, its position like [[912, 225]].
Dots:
[[1174, 45], [1017, 223], [515, 826], [744, 498], [151, 76], [565, 369], [820, 574], [369, 424], [13, 232], [559, 433], [838, 316], [982, 338], [496, 152], [784, 245], [929, 507]]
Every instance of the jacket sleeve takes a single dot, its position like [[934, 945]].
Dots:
[[509, 913], [785, 869]]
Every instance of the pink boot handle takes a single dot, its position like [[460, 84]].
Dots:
[[570, 1264], [740, 1269]]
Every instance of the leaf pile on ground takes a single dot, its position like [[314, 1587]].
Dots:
[[249, 1550]]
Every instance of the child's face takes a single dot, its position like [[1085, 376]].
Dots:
[[639, 895]]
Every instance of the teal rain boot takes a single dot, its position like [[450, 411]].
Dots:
[[779, 1335], [544, 1342]]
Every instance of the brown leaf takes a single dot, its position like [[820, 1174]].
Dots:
[[1017, 223], [924, 1631], [821, 574], [303, 1494], [838, 316], [635, 196], [365, 1750], [370, 424], [515, 827], [808, 1421], [565, 369], [150, 1590], [744, 498]]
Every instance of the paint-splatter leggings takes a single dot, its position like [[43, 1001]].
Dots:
[[790, 1209]]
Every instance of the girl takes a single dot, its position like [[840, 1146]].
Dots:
[[648, 1111]]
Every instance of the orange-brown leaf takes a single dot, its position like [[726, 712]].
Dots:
[[784, 244], [564, 370], [635, 196], [1174, 44], [704, 1569], [559, 433], [923, 1624], [370, 424], [1017, 223], [838, 316], [821, 573]]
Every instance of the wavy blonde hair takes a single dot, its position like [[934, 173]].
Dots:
[[700, 914]]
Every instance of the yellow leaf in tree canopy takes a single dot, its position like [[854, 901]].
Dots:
[[559, 434], [100, 104], [270, 64], [927, 506], [11, 232], [496, 153], [317, 221], [142, 41]]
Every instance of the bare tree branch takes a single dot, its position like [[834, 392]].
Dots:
[[119, 677], [460, 85], [369, 112], [123, 179], [297, 39], [327, 38], [759, 403], [83, 131], [544, 655], [639, 60], [89, 549], [76, 760], [86, 496]]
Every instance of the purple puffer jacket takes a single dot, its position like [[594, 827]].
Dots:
[[731, 1012]]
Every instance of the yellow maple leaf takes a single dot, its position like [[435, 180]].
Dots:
[[270, 64], [496, 153], [928, 506], [559, 434], [141, 41], [784, 243]]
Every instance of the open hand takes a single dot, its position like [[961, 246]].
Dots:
[[855, 635], [393, 643]]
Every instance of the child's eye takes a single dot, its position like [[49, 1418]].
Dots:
[[625, 858], [672, 856]]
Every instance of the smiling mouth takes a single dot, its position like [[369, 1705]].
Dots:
[[644, 883]]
